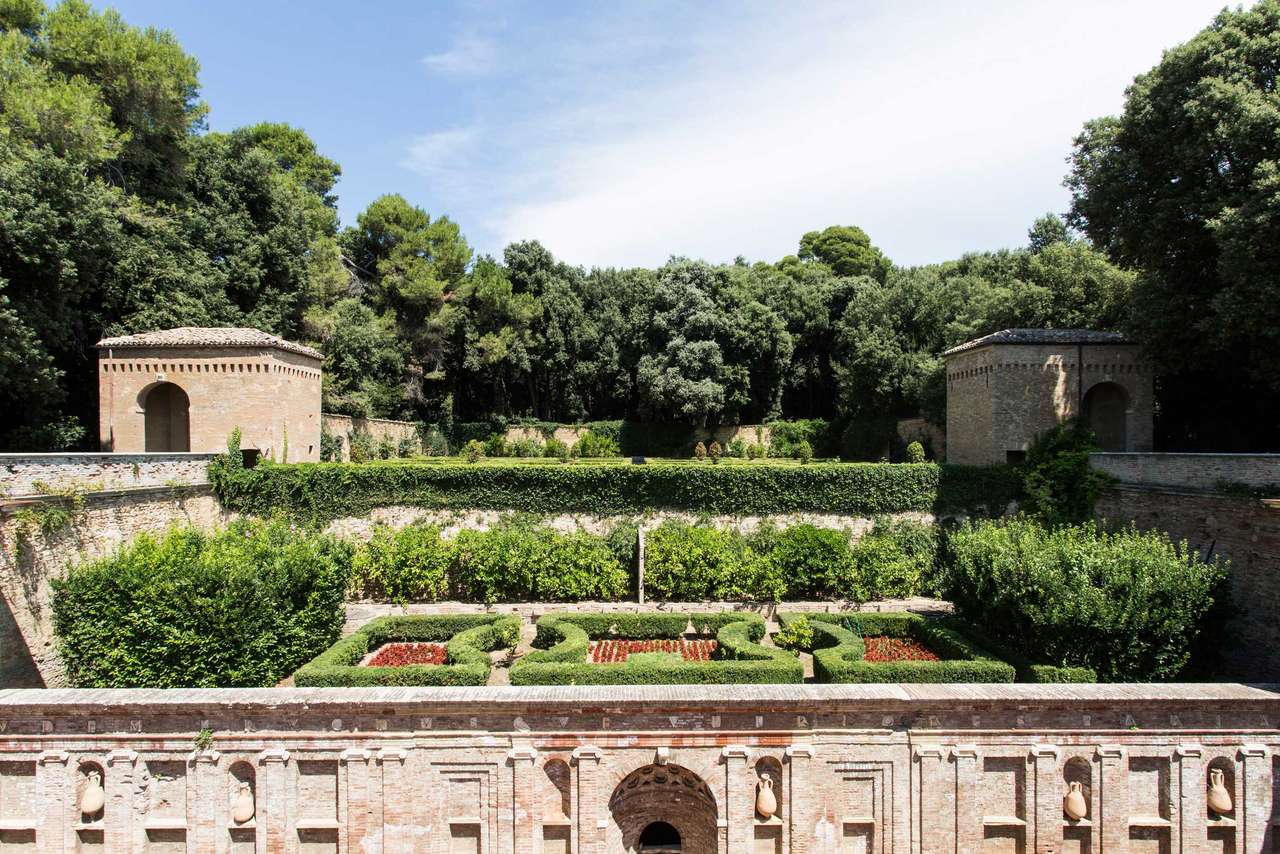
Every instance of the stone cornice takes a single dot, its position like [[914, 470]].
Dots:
[[824, 698]]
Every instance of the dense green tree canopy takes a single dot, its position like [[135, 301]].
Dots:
[[1185, 185]]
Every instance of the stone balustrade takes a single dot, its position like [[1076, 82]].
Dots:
[[875, 768]]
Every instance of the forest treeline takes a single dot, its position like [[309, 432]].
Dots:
[[121, 212]]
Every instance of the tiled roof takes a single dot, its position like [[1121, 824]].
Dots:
[[207, 336], [1041, 336]]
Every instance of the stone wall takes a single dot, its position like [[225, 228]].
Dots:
[[931, 436], [272, 395], [875, 768], [30, 559], [1192, 471], [751, 434], [346, 426], [1244, 530], [452, 521], [1000, 396], [38, 474]]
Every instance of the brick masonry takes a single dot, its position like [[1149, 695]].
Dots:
[[272, 395], [877, 768], [1000, 396], [1191, 471]]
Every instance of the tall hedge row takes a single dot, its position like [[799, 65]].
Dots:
[[239, 608], [325, 491]]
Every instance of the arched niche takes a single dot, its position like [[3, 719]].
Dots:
[[1079, 770], [166, 410], [670, 794], [555, 790], [770, 767]]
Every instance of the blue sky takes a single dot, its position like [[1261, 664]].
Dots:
[[623, 133]]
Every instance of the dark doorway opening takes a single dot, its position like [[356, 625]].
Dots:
[[659, 838]]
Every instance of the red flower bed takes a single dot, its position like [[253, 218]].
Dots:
[[897, 649], [616, 651], [400, 654]]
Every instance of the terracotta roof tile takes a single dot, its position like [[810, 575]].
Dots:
[[1041, 336], [207, 336]]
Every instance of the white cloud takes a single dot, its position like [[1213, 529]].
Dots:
[[939, 130], [470, 55], [442, 157]]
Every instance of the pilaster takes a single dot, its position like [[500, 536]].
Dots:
[[524, 813], [1046, 810], [1256, 809], [587, 800], [1113, 799], [739, 799], [396, 818], [55, 786], [968, 804], [273, 801], [799, 802], [1190, 821], [354, 802], [118, 815], [209, 809]]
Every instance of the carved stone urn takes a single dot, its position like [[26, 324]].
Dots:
[[93, 798], [766, 801], [1219, 798], [242, 806], [1074, 804]]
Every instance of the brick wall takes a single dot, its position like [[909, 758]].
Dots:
[[1193, 471], [1000, 396], [346, 426], [1244, 530], [877, 768], [36, 474], [273, 396]]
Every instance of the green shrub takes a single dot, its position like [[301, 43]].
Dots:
[[469, 638], [496, 445], [411, 564], [407, 447], [590, 444], [815, 563], [915, 453], [784, 436], [1060, 486], [314, 492], [737, 449], [739, 658], [869, 438], [386, 448], [700, 452], [362, 446], [689, 563], [473, 451], [517, 563], [555, 449], [241, 607], [330, 445], [795, 635], [714, 452], [526, 448], [804, 452], [838, 650], [1128, 605], [755, 452]]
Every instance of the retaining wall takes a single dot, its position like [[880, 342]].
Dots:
[[877, 768], [1191, 471], [345, 426], [23, 475]]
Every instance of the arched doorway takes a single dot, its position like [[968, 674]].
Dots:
[[664, 809], [1105, 408], [168, 421], [659, 838]]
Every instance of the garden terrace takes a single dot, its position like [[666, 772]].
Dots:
[[840, 650], [738, 656], [469, 638]]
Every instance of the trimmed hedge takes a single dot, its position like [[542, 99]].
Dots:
[[838, 650], [740, 659], [238, 608], [469, 638], [319, 492], [1027, 670]]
